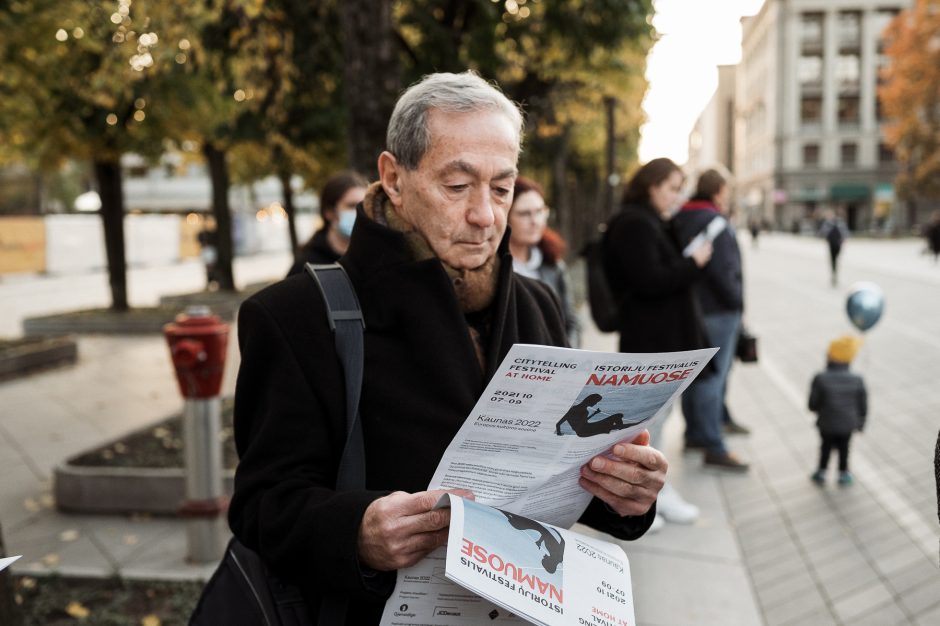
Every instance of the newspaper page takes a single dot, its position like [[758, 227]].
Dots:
[[545, 574], [545, 413]]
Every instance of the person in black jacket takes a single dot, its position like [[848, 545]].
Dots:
[[442, 306], [652, 282], [840, 400], [341, 193], [720, 297]]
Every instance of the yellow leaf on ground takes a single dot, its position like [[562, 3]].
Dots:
[[77, 610], [150, 620], [68, 535], [50, 560]]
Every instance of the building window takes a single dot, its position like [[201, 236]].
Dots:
[[811, 109], [885, 154], [848, 29], [811, 154], [848, 70], [848, 110], [811, 30], [849, 153], [810, 69]]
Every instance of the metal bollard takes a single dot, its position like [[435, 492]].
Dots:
[[197, 341]]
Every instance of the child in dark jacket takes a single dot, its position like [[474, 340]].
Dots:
[[839, 398]]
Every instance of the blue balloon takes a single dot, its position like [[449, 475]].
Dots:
[[865, 304]]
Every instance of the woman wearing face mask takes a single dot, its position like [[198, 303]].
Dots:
[[338, 200], [653, 283], [537, 251]]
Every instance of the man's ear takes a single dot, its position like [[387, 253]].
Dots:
[[390, 176]]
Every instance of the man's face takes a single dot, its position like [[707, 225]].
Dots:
[[460, 193]]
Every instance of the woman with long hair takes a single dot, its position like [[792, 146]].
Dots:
[[538, 251], [653, 281]]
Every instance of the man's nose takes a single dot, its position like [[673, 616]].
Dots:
[[481, 211]]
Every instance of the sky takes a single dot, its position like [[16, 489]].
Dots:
[[696, 36]]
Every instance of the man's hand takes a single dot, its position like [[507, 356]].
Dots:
[[402, 528], [630, 482]]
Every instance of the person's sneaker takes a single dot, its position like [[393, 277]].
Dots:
[[657, 525], [726, 461], [733, 428], [673, 507], [818, 477], [846, 478]]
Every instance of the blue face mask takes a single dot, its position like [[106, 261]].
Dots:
[[344, 224]]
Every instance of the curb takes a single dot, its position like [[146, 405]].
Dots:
[[61, 351], [122, 490]]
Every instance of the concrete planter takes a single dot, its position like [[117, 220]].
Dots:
[[121, 490], [101, 322], [29, 356]]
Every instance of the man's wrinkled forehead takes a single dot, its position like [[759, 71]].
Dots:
[[464, 167]]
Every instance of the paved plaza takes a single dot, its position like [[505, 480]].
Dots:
[[770, 547]]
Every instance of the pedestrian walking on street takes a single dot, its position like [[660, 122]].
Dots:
[[753, 225], [835, 232], [341, 193], [720, 297], [208, 239], [839, 398], [538, 251], [653, 284], [932, 234]]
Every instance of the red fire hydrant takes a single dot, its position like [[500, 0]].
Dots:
[[198, 341]]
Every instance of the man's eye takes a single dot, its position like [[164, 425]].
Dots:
[[502, 192], [458, 188]]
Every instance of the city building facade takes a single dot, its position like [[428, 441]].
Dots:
[[808, 136], [711, 142]]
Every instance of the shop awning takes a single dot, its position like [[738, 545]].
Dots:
[[847, 192]]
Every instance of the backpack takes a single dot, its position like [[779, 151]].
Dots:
[[605, 309]]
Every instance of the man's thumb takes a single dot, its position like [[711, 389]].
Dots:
[[643, 439]]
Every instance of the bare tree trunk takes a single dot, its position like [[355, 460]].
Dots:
[[9, 613], [288, 195], [218, 172], [370, 76], [110, 189]]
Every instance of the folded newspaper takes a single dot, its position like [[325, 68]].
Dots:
[[545, 413]]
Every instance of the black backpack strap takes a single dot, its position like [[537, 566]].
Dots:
[[346, 322], [347, 325]]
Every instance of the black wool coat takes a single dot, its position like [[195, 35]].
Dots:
[[653, 283], [421, 380], [722, 289]]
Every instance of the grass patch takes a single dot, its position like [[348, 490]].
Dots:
[[61, 601], [158, 445]]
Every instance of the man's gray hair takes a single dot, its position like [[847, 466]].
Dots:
[[409, 137]]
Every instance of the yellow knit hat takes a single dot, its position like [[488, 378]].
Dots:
[[844, 349]]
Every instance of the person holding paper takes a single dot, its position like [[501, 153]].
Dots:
[[653, 282], [720, 296], [428, 257]]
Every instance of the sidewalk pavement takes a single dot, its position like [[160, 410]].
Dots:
[[769, 548]]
